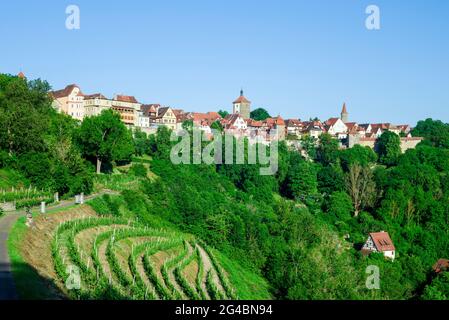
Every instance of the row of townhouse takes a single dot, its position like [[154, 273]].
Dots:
[[72, 101], [350, 133]]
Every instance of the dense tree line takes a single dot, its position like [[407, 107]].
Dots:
[[52, 151]]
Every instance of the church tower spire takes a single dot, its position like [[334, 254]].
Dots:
[[344, 114]]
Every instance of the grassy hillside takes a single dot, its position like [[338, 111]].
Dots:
[[121, 258], [10, 178]]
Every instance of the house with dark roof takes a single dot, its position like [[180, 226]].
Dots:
[[294, 127], [380, 242], [164, 116]]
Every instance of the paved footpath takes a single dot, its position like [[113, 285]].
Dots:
[[7, 287]]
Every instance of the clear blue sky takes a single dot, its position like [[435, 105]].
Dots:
[[295, 58]]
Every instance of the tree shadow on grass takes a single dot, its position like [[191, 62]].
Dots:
[[28, 284]]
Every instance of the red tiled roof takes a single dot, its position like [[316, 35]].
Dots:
[[279, 121], [129, 99], [21, 75], [331, 121], [383, 126], [65, 92], [255, 123], [382, 241], [441, 265], [210, 116], [242, 99], [352, 127], [149, 108], [293, 123]]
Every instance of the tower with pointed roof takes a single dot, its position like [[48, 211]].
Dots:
[[242, 106], [344, 114]]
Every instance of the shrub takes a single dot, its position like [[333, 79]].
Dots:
[[139, 170]]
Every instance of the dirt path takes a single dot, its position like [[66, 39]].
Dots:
[[7, 287], [208, 266]]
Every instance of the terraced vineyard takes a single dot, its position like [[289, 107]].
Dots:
[[120, 259]]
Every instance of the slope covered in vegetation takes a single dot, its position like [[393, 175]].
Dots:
[[300, 229]]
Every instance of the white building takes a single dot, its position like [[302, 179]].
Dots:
[[69, 101], [336, 127], [94, 104]]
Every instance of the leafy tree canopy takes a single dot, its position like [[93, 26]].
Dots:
[[259, 114]]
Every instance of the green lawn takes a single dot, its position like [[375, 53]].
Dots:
[[12, 179]]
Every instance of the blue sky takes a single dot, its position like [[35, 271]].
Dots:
[[294, 58]]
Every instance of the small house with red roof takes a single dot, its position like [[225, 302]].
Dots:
[[380, 242], [441, 265]]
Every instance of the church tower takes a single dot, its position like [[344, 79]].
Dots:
[[344, 114], [242, 106]]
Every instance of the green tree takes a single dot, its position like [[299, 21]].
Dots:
[[434, 131], [330, 179], [364, 156], [105, 138], [259, 114], [340, 205], [388, 148], [25, 110], [308, 144], [187, 125], [301, 180], [327, 151], [438, 289], [223, 113], [140, 142], [361, 187], [216, 125]]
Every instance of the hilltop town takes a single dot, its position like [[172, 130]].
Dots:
[[148, 117]]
